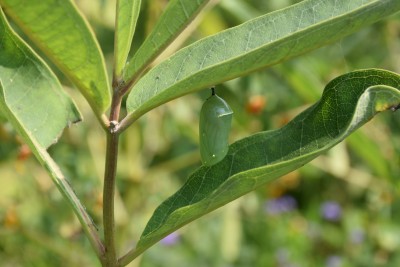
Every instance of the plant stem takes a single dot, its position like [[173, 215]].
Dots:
[[130, 256], [108, 196], [103, 120], [126, 122], [109, 181]]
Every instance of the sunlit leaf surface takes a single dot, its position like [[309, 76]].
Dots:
[[62, 33], [347, 103], [255, 44], [30, 92]]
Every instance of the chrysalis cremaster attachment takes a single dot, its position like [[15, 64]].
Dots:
[[215, 125]]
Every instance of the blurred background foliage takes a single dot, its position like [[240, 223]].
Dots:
[[340, 210]]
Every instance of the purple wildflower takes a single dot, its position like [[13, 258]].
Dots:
[[283, 258], [282, 255], [357, 236], [280, 205], [331, 211], [170, 239], [334, 261]]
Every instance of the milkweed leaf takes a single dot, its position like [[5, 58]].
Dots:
[[62, 33], [347, 103]]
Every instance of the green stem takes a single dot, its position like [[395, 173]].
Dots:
[[108, 196], [109, 182], [130, 256]]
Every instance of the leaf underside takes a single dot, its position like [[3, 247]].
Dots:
[[61, 32], [177, 15], [126, 18], [347, 103], [33, 141], [255, 44], [33, 101], [31, 94]]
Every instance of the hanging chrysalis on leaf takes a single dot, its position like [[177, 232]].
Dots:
[[215, 125]]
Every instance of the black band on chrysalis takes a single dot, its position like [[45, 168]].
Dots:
[[213, 90]]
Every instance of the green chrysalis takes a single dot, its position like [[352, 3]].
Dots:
[[214, 128]]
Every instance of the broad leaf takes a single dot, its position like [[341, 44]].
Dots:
[[61, 32], [240, 9], [30, 91], [347, 103], [126, 18], [177, 15], [258, 43], [32, 139], [33, 101]]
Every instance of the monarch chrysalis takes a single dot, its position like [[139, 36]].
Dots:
[[215, 125]]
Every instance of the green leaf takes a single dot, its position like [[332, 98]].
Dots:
[[177, 15], [126, 18], [255, 44], [33, 101], [371, 153], [347, 103], [240, 9], [62, 33], [30, 91], [33, 140]]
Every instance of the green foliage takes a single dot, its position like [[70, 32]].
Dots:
[[261, 42], [300, 218], [31, 96], [126, 18], [44, 158], [347, 103], [177, 15], [62, 33], [34, 102]]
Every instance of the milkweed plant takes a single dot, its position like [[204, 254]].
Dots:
[[47, 43]]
